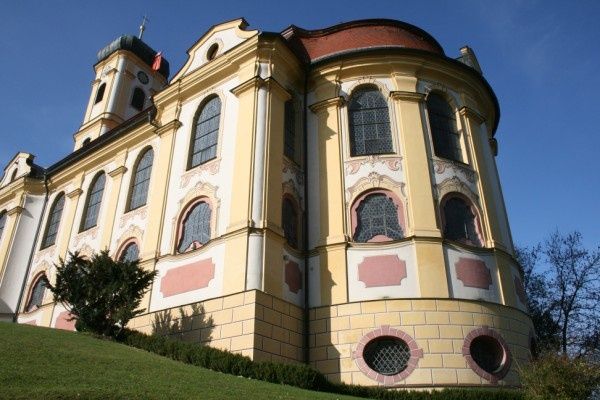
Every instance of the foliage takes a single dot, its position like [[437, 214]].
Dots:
[[558, 377], [564, 295], [100, 293]]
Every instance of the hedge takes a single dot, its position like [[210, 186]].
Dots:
[[298, 375]]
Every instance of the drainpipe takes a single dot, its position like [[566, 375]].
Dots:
[[35, 242]]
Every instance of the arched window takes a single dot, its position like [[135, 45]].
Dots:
[[138, 99], [141, 180], [86, 141], [289, 148], [206, 133], [444, 132], [195, 228], [369, 123], [93, 202], [100, 93], [377, 216], [37, 293], [289, 222], [130, 253], [2, 222], [460, 221], [53, 221]]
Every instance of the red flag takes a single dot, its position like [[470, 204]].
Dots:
[[157, 61]]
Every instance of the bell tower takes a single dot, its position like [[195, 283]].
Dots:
[[128, 73]]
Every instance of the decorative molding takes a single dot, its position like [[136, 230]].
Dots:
[[74, 193], [117, 171], [440, 167], [469, 113], [170, 126], [141, 213], [84, 236], [365, 81], [15, 210], [454, 184], [252, 83], [407, 96], [323, 105], [212, 167], [292, 168], [372, 181], [392, 163]]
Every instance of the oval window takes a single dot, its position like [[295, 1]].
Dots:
[[387, 355]]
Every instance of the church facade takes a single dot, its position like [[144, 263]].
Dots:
[[327, 196]]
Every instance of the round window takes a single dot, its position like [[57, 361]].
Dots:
[[488, 353], [387, 355]]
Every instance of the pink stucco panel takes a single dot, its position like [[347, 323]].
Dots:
[[293, 276], [473, 273], [382, 271], [62, 321], [187, 278]]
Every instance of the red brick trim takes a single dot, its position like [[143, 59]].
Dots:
[[385, 331], [506, 362]]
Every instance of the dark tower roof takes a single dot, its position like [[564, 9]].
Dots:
[[137, 47]]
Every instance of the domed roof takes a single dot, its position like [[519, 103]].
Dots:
[[314, 45], [137, 47]]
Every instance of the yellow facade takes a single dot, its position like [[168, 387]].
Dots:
[[310, 290]]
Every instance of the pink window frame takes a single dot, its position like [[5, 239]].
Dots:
[[506, 361], [475, 212], [399, 211], [183, 216], [124, 245]]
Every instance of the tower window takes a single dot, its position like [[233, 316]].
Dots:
[[460, 221], [369, 123], [100, 93], [53, 221], [289, 131], [2, 222], [130, 253], [377, 215], [93, 202], [195, 227], [206, 133], [289, 222], [444, 132], [138, 99], [141, 180], [212, 52], [37, 294], [86, 141]]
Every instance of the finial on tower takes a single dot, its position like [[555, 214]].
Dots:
[[143, 27]]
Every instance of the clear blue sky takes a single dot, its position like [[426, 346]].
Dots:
[[541, 57]]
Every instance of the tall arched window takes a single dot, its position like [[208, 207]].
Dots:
[[369, 123], [289, 148], [195, 227], [459, 221], [37, 293], [100, 93], [377, 216], [130, 253], [53, 221], [444, 132], [141, 180], [289, 222], [206, 133], [93, 202], [2, 222], [138, 99]]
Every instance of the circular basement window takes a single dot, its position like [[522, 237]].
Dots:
[[488, 353], [387, 355]]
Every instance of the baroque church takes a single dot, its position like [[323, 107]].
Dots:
[[325, 196]]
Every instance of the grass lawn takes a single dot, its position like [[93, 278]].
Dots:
[[43, 363]]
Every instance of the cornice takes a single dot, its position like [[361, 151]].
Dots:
[[117, 171], [322, 105], [407, 96], [170, 126], [15, 210], [74, 193], [252, 83], [277, 88]]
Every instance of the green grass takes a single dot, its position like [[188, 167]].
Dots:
[[43, 363]]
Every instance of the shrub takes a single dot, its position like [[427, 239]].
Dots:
[[558, 377]]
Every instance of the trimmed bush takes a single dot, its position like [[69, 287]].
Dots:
[[298, 375]]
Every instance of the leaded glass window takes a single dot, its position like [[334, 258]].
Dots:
[[289, 219], [37, 294], [94, 200], [488, 353], [206, 133], [53, 221], [2, 222], [130, 253], [138, 99], [290, 130], [369, 123], [196, 227], [460, 222], [376, 215], [444, 132], [141, 180], [387, 355]]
